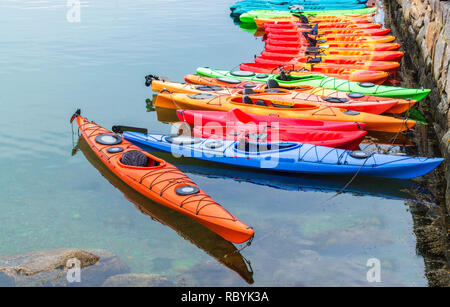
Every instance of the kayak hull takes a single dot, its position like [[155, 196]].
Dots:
[[292, 157], [318, 80], [349, 62], [326, 31], [335, 71], [272, 133], [344, 53], [290, 40], [289, 25], [315, 96], [155, 181], [250, 16], [270, 108], [236, 116], [333, 46], [361, 19], [309, 7]]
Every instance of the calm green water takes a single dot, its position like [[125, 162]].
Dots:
[[50, 199]]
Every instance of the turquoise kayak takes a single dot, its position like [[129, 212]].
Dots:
[[288, 157], [307, 7], [250, 16], [293, 2], [318, 80]]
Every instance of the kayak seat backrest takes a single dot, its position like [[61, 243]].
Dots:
[[272, 83], [247, 100], [248, 91]]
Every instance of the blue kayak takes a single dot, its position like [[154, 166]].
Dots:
[[307, 7], [288, 157]]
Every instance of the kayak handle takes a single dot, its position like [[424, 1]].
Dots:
[[75, 115]]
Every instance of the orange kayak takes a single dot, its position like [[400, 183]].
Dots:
[[231, 85], [331, 70], [227, 83], [316, 19], [350, 62], [272, 107], [160, 181], [303, 94], [362, 55]]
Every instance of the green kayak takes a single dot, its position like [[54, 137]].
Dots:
[[318, 80], [250, 16]]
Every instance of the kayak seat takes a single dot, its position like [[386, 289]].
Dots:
[[272, 83], [260, 102], [135, 158], [248, 91], [281, 106]]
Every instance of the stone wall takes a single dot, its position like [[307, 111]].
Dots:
[[424, 28]]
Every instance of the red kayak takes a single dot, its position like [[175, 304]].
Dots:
[[341, 71], [329, 31], [348, 38], [267, 133], [217, 118], [281, 45], [372, 55], [350, 62]]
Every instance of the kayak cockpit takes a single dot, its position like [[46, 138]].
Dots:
[[257, 102], [137, 159], [255, 147]]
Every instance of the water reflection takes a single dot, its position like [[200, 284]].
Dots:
[[220, 249], [386, 188]]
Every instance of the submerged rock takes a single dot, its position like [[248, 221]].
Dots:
[[138, 280], [50, 268], [6, 281]]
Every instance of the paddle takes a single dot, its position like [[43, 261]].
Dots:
[[121, 129]]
